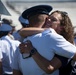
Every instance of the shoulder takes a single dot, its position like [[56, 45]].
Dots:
[[51, 33], [3, 42]]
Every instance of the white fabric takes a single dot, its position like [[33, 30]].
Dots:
[[48, 44], [5, 27], [0, 54], [54, 42], [8, 47]]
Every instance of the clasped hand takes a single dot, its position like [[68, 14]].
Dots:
[[26, 47]]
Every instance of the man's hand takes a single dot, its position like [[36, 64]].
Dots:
[[26, 47]]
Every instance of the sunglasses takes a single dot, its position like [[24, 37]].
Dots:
[[64, 13]]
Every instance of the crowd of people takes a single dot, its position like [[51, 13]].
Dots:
[[45, 45]]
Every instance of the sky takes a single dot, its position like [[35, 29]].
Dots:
[[65, 6]]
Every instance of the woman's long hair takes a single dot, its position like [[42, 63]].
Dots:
[[68, 30]]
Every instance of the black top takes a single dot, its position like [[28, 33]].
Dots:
[[66, 67]]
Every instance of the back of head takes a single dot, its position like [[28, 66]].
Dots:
[[7, 21], [37, 20], [33, 12]]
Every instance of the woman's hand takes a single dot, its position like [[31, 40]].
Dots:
[[26, 47]]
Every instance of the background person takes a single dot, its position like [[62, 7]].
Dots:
[[6, 21], [8, 46]]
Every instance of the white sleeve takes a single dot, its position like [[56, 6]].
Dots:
[[63, 47]]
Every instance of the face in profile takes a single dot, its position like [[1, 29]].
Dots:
[[53, 21]]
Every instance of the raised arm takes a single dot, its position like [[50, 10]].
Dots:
[[30, 31]]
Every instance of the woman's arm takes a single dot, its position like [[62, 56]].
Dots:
[[24, 32], [49, 66]]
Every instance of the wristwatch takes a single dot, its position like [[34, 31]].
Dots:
[[33, 51]]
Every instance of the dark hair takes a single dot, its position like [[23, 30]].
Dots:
[[7, 21], [37, 19], [24, 25]]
